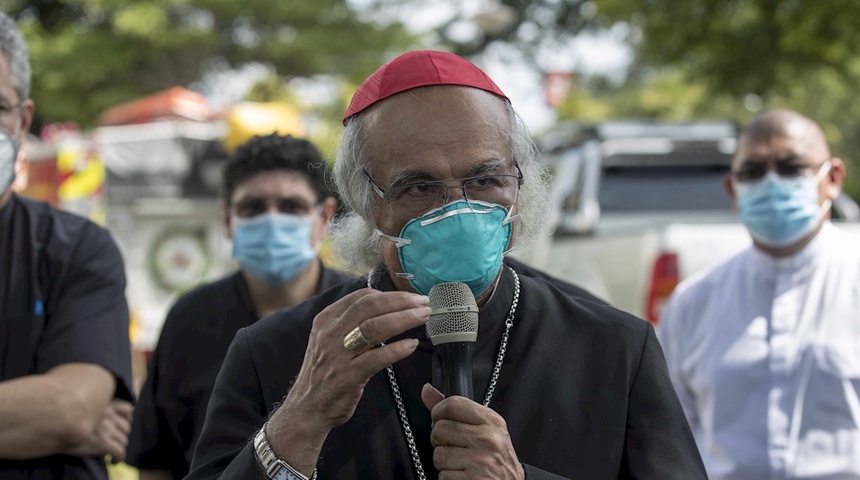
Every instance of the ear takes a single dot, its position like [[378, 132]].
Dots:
[[226, 220], [835, 178], [329, 208], [729, 187], [27, 110], [22, 172]]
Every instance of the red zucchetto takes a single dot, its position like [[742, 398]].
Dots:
[[420, 68]]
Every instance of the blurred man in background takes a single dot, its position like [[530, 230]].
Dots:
[[764, 349], [276, 210], [65, 355]]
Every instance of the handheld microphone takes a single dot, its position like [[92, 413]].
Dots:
[[453, 330]]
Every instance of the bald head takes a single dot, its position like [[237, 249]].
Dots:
[[804, 134]]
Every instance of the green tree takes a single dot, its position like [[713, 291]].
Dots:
[[90, 54]]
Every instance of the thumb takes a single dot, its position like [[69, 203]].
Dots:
[[430, 396]]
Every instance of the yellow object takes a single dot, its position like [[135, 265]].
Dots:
[[245, 120], [81, 170], [122, 471]]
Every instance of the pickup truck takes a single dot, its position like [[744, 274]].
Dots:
[[641, 206]]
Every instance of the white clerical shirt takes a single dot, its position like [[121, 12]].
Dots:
[[765, 356]]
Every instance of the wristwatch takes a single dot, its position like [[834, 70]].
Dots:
[[276, 469]]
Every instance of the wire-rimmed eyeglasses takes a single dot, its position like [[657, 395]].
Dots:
[[414, 199]]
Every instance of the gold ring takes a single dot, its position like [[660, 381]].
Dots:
[[355, 342]]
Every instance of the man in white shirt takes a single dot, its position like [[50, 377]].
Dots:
[[764, 349]]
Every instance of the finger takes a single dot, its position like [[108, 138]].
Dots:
[[382, 304], [461, 409], [455, 434], [114, 449], [452, 458], [118, 456], [115, 431], [380, 328], [337, 308], [123, 408], [122, 425], [431, 396], [372, 361]]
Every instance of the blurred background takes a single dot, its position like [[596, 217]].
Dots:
[[140, 101]]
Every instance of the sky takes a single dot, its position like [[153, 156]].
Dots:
[[587, 54]]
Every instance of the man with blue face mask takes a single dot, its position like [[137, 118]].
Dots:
[[443, 180], [276, 209], [763, 348]]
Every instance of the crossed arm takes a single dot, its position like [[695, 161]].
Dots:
[[59, 412]]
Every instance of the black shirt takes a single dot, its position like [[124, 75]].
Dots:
[[198, 330], [583, 388], [62, 300]]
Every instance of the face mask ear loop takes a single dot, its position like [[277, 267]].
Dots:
[[398, 242], [823, 171], [510, 219], [822, 211]]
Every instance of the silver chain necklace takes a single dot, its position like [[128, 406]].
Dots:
[[491, 388]]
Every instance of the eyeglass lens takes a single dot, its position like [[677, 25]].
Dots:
[[752, 171]]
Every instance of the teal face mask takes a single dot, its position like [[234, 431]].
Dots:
[[458, 242], [273, 247], [780, 211]]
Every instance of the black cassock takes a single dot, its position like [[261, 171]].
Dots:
[[583, 388]]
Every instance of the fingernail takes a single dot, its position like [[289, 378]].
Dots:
[[422, 300], [411, 344], [423, 312]]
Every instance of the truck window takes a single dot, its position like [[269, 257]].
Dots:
[[663, 188]]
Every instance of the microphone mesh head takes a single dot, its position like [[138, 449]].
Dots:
[[454, 313]]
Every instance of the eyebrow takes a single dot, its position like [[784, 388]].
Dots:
[[488, 167]]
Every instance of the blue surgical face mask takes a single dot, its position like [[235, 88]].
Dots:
[[8, 155], [778, 211], [274, 247], [458, 242]]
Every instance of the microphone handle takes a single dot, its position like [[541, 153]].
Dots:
[[455, 362]]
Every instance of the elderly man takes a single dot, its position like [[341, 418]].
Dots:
[[763, 349], [442, 178], [65, 356]]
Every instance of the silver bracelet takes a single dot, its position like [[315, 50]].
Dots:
[[274, 467]]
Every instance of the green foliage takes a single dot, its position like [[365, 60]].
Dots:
[[90, 54], [794, 54]]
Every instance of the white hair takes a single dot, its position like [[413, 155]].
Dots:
[[353, 235], [13, 45]]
